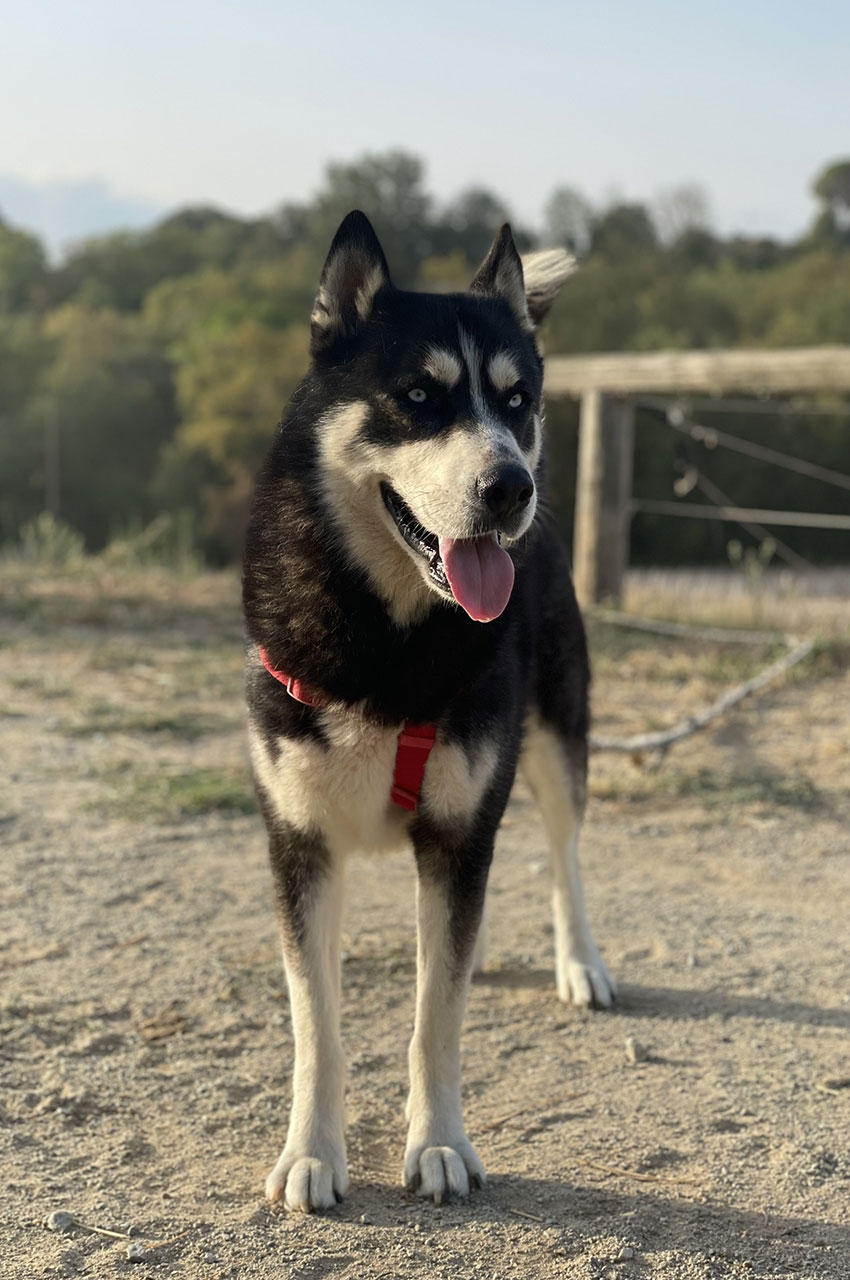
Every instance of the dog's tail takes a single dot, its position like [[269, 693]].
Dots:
[[545, 271]]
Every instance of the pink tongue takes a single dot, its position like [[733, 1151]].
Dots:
[[480, 574]]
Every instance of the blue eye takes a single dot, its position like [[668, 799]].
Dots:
[[417, 395], [515, 400]]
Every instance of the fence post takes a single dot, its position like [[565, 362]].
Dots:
[[603, 497]]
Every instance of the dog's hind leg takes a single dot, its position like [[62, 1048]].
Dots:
[[311, 1172], [439, 1159], [556, 772], [479, 954]]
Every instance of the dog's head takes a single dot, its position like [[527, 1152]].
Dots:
[[431, 438]]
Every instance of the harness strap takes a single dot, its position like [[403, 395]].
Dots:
[[415, 741], [414, 746]]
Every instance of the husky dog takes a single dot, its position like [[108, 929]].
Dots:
[[413, 637]]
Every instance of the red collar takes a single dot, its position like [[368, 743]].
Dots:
[[414, 740]]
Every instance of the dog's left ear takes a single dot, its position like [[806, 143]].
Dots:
[[500, 276], [529, 285], [353, 273]]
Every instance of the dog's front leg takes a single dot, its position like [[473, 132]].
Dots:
[[311, 1172], [439, 1159]]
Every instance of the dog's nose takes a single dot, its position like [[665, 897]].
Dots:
[[507, 491]]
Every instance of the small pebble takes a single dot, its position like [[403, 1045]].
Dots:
[[365, 1219], [131, 1229], [136, 1252], [210, 1257], [60, 1221], [635, 1051], [626, 1253]]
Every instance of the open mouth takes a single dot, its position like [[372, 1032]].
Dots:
[[417, 537], [476, 572]]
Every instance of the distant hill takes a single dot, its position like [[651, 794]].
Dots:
[[60, 213]]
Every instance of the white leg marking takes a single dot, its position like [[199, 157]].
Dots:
[[456, 779], [439, 1160], [340, 790], [311, 1172], [582, 977]]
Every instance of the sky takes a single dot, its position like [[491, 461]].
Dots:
[[111, 114]]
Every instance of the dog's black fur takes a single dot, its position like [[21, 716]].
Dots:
[[322, 617]]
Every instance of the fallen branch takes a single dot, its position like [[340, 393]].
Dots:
[[716, 635], [633, 1173], [129, 942], [54, 952], [664, 738], [102, 1231], [127, 1235]]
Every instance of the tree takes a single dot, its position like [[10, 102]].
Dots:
[[25, 355], [623, 231], [109, 393], [469, 224], [120, 269], [832, 187], [23, 269], [389, 189], [231, 386], [678, 210], [568, 220]]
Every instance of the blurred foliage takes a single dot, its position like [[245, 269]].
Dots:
[[141, 378]]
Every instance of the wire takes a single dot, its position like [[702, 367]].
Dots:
[[682, 630], [711, 438], [737, 515], [776, 408], [721, 499]]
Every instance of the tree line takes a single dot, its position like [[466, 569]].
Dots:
[[143, 374]]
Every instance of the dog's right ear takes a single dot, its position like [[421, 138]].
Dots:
[[354, 272]]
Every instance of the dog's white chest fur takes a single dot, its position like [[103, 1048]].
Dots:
[[342, 790]]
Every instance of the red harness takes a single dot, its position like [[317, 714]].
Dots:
[[414, 740]]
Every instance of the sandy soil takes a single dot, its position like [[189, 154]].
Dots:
[[145, 1050]]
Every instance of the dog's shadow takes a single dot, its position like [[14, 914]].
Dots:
[[686, 1003], [566, 1220]]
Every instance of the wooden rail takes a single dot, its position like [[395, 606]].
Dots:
[[789, 371], [605, 382]]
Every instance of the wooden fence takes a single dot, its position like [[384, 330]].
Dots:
[[605, 385]]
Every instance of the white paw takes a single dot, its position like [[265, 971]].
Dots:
[[586, 983], [443, 1173], [307, 1183]]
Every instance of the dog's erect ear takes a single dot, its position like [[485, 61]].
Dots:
[[529, 284], [354, 272], [500, 276], [545, 271]]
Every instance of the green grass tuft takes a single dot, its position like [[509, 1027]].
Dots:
[[170, 797]]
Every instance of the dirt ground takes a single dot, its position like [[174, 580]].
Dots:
[[145, 1049]]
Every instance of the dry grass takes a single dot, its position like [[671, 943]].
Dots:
[[778, 601]]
